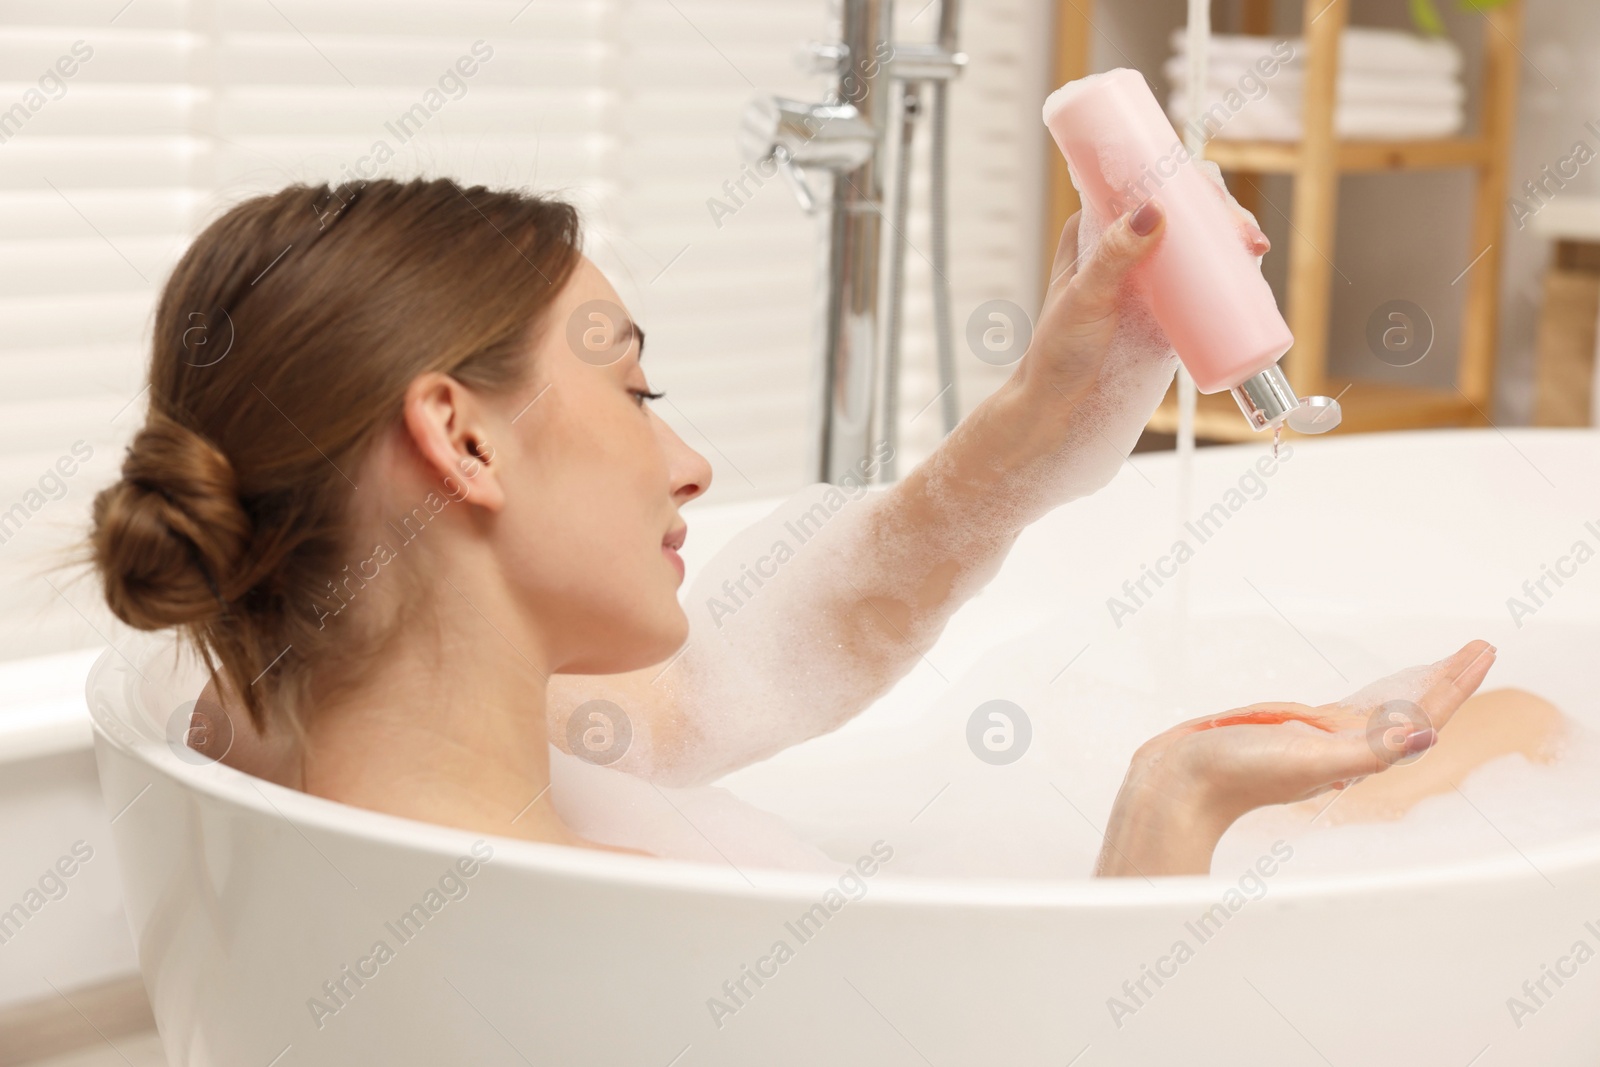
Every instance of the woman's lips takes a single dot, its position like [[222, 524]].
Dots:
[[670, 545]]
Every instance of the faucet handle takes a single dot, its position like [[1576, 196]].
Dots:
[[836, 136], [822, 57], [797, 181]]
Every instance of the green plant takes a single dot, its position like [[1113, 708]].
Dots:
[[1426, 16]]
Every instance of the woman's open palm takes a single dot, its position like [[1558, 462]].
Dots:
[[1187, 784], [1279, 753]]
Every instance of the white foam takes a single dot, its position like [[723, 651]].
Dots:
[[814, 631], [947, 814], [825, 603], [1506, 806], [1064, 95], [1100, 433], [705, 823]]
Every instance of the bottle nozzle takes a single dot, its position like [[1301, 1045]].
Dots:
[[1265, 398], [1268, 400]]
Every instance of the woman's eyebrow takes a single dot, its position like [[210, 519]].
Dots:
[[639, 335]]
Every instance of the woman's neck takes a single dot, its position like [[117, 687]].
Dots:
[[448, 727]]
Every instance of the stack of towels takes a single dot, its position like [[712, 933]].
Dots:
[[1392, 85]]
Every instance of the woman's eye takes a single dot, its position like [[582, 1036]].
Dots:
[[646, 394]]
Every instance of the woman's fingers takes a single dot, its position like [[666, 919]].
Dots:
[[1277, 753], [1096, 290], [1072, 336], [1066, 261], [1399, 720], [1355, 755], [1123, 247], [1395, 734], [1455, 679], [1255, 241], [1438, 689]]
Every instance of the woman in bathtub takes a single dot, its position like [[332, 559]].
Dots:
[[401, 481]]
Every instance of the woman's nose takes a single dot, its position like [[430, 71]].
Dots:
[[689, 470]]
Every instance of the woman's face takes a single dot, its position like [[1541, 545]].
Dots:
[[593, 481]]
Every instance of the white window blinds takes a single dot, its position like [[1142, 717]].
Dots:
[[174, 109]]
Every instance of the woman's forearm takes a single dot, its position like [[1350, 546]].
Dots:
[[803, 620], [1159, 828], [926, 545], [799, 623]]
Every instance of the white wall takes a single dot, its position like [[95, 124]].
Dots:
[[628, 107]]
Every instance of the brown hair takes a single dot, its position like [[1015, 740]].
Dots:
[[284, 342]]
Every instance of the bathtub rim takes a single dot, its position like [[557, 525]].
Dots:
[[240, 791]]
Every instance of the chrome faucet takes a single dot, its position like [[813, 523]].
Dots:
[[846, 139]]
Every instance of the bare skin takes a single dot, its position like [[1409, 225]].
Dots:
[[1488, 726], [454, 728], [1187, 785], [947, 503], [549, 579]]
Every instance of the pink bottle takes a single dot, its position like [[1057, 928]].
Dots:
[[1204, 287]]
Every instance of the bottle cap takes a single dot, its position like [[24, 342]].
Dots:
[[1265, 398], [1316, 414]]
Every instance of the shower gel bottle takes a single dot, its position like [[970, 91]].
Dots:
[[1204, 288]]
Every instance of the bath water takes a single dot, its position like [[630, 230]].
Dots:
[[908, 776], [918, 785]]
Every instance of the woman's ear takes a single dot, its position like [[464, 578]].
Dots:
[[448, 426]]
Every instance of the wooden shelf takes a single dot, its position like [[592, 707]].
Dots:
[[1352, 157], [1366, 406], [1314, 165]]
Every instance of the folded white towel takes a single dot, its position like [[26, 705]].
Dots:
[[1277, 118], [1361, 48], [1354, 87]]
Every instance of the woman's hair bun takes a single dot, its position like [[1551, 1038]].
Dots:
[[169, 537], [233, 517]]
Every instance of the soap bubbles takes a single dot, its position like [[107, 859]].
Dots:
[[599, 332], [999, 732], [1390, 724], [199, 732], [1399, 333], [599, 732], [999, 332]]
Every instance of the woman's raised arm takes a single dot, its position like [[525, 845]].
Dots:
[[804, 619]]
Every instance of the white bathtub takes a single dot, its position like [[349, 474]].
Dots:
[[72, 934], [245, 898]]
